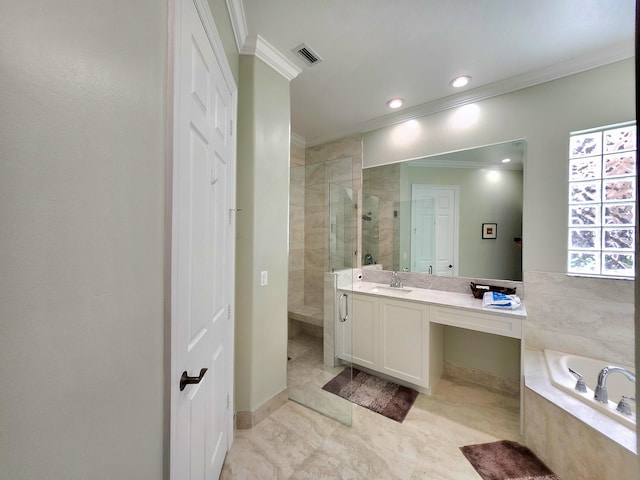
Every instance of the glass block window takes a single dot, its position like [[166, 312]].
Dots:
[[602, 201]]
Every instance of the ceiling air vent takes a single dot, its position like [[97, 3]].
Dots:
[[310, 57]]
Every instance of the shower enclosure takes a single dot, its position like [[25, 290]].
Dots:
[[323, 226], [342, 227], [370, 229]]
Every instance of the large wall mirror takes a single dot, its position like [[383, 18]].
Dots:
[[456, 214]]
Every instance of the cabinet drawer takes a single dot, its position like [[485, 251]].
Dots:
[[482, 322]]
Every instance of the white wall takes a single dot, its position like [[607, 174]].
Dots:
[[82, 159], [262, 234], [543, 115]]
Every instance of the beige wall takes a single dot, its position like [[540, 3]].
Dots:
[[82, 156], [262, 234], [296, 225], [316, 236]]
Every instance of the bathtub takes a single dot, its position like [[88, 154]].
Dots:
[[558, 364]]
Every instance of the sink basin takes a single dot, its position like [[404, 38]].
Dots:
[[387, 290]]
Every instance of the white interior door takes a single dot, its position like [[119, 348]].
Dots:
[[422, 231], [202, 252], [434, 229]]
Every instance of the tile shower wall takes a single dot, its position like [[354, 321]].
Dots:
[[385, 181], [296, 226], [320, 169], [584, 316]]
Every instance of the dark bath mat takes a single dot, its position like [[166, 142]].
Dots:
[[374, 393], [506, 460]]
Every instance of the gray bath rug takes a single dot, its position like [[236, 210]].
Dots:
[[374, 393], [506, 460]]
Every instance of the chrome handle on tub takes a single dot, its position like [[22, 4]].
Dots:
[[343, 318], [580, 385], [624, 407]]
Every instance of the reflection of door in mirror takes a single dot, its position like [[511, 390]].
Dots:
[[490, 191], [434, 229]]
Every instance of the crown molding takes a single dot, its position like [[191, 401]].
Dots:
[[258, 46], [426, 163], [238, 22]]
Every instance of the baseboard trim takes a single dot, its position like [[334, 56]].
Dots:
[[246, 420]]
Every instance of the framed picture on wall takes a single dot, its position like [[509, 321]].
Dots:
[[489, 230]]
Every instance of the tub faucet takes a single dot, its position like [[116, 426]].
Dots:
[[581, 386], [600, 393]]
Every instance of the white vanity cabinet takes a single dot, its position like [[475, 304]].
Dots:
[[404, 340], [357, 334], [385, 335]]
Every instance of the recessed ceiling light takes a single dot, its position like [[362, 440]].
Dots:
[[460, 82], [506, 160], [395, 103]]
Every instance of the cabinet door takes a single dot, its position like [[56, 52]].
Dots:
[[404, 341], [365, 331], [357, 335]]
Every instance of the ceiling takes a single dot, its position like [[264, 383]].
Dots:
[[374, 50]]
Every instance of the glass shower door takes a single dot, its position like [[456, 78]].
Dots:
[[322, 199]]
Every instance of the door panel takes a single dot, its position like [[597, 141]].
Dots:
[[365, 332], [445, 234], [423, 215], [202, 253], [434, 229]]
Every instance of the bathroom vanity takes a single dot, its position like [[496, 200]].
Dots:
[[398, 332]]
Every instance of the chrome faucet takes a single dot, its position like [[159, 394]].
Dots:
[[600, 393], [581, 386], [396, 282]]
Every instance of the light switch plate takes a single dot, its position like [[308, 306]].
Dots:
[[264, 278]]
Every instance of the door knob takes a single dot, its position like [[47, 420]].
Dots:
[[187, 380], [450, 266]]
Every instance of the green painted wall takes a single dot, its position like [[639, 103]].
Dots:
[[481, 201], [543, 115], [262, 233], [82, 201]]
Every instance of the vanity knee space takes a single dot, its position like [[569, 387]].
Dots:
[[403, 338]]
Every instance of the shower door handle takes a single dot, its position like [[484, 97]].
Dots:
[[345, 317]]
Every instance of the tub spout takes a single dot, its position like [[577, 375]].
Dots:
[[600, 393]]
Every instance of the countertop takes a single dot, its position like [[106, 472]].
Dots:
[[433, 297]]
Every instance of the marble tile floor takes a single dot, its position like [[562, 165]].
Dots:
[[296, 442]]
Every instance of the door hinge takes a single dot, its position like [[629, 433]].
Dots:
[[228, 311], [228, 401], [231, 128], [231, 211]]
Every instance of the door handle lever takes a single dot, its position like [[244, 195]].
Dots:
[[187, 380]]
